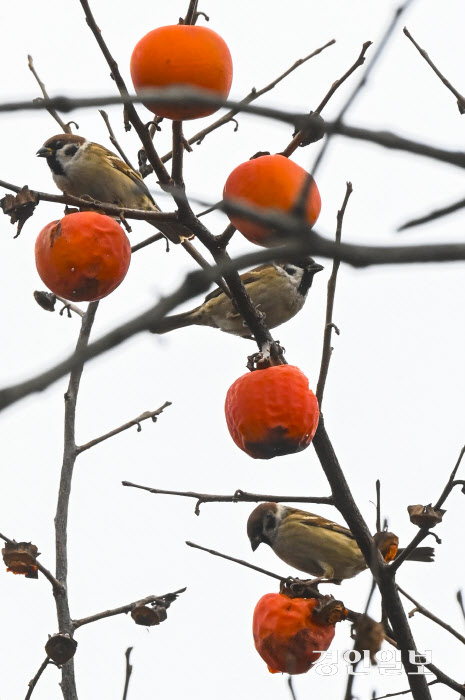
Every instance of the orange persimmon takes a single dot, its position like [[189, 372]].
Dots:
[[83, 257], [288, 634], [272, 182], [182, 55], [272, 412]]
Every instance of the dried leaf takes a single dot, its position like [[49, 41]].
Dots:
[[61, 648], [368, 634], [425, 516], [20, 207], [20, 558], [46, 300]]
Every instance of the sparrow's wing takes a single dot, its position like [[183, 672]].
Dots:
[[311, 520], [246, 278], [124, 169]]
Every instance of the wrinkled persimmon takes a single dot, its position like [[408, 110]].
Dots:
[[270, 182], [182, 55], [288, 635], [83, 257], [272, 412]]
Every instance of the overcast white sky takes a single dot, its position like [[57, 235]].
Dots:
[[394, 397]]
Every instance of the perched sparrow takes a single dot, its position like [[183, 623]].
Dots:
[[316, 545], [80, 167], [278, 291]]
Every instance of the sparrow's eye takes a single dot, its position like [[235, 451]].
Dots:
[[71, 150], [270, 522], [290, 269]]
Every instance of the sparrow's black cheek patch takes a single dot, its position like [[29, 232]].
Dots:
[[54, 165], [276, 444]]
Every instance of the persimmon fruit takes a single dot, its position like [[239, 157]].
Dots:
[[288, 634], [182, 55], [272, 182], [83, 257], [272, 412]]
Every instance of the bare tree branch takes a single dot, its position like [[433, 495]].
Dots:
[[68, 684], [346, 505], [253, 95], [298, 138], [135, 421], [433, 215], [423, 532], [238, 496], [329, 325], [424, 611], [401, 692], [113, 138], [449, 86], [162, 599], [375, 56], [64, 127], [106, 207], [128, 673], [32, 683]]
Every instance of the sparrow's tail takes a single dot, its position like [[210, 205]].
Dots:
[[171, 323], [420, 554]]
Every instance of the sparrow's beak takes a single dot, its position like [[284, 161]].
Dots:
[[44, 152], [255, 542], [314, 267]]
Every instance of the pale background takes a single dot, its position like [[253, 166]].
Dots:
[[394, 398]]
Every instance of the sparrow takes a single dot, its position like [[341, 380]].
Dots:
[[278, 290], [315, 545], [80, 167]]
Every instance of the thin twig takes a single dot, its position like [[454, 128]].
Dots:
[[424, 611], [113, 138], [238, 496], [148, 241], [460, 98], [297, 139], [351, 614], [423, 532], [351, 676], [460, 602], [433, 215], [128, 672], [401, 692], [162, 599], [106, 207], [378, 505], [327, 350], [291, 688], [131, 112], [64, 127], [68, 684], [253, 95], [32, 683], [178, 155], [136, 421], [375, 56]]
